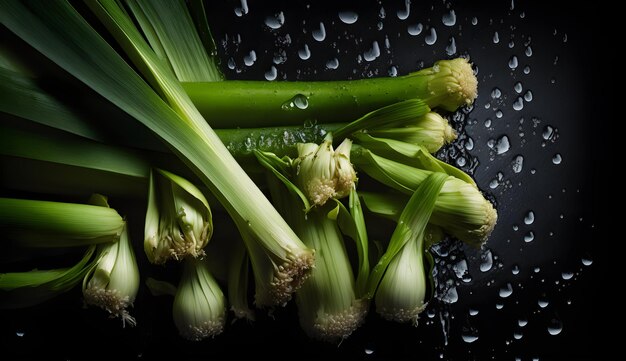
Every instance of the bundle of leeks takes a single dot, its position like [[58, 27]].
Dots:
[[229, 145]]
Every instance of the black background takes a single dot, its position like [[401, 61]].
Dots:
[[560, 35]]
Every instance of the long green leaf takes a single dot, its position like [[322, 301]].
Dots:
[[171, 22], [393, 115], [24, 289]]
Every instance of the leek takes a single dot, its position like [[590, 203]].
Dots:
[[461, 210], [328, 305], [323, 173], [448, 85], [24, 289], [199, 306], [58, 31], [178, 219], [35, 223]]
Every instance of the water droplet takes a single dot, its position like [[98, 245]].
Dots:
[[487, 123], [517, 334], [499, 114], [271, 74], [431, 38], [518, 88], [332, 64], [496, 93], [299, 101], [567, 275], [529, 237], [461, 161], [555, 327], [373, 53], [319, 34], [543, 303], [515, 227], [587, 261], [502, 145], [469, 338], [499, 306], [243, 10], [415, 30], [522, 322], [304, 53], [231, 63], [515, 270], [528, 96], [250, 58], [496, 38], [474, 20], [451, 295], [511, 44], [529, 218], [518, 163], [518, 104], [528, 51], [513, 62], [451, 48], [557, 158], [393, 71], [348, 17], [275, 21], [486, 261], [506, 291], [473, 312], [369, 351], [449, 19], [19, 333], [403, 14], [460, 269], [469, 143], [527, 69], [548, 132]]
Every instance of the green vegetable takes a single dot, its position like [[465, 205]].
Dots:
[[239, 264], [199, 305], [35, 223], [409, 231], [461, 210], [113, 282], [58, 31], [178, 219], [323, 173], [25, 289], [327, 302], [448, 85]]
